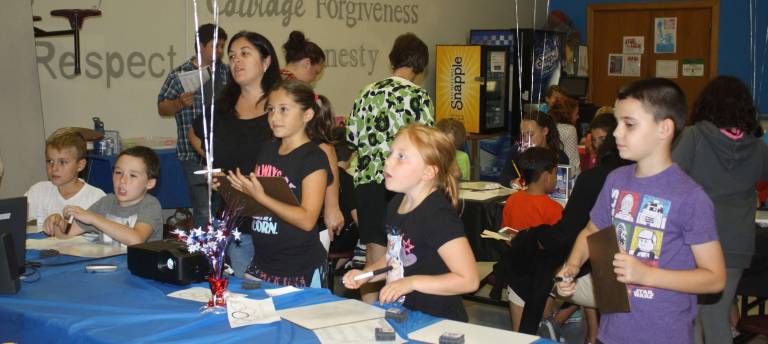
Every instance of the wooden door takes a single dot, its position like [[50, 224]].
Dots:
[[695, 43]]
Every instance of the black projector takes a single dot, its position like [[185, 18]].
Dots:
[[167, 261]]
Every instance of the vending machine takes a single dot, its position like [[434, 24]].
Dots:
[[472, 86]]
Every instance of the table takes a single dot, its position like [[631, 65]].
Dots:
[[72, 306], [478, 215], [171, 190]]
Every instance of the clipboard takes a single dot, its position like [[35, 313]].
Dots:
[[610, 295], [275, 187]]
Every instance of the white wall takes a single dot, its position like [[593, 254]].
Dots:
[[148, 34], [21, 114]]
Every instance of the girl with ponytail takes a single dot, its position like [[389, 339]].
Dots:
[[431, 261]]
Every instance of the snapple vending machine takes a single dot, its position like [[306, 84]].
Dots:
[[472, 85]]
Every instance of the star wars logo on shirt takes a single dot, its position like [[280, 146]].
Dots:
[[640, 221]]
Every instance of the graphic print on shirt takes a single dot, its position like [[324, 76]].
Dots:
[[266, 224], [399, 255], [640, 230], [129, 221]]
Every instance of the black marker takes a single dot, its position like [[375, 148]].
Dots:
[[562, 279], [372, 273]]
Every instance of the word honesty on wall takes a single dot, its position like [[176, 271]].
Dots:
[[349, 11]]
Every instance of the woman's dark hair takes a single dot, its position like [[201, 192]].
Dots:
[[343, 152], [319, 127], [727, 103], [606, 121], [228, 100], [298, 48], [409, 51], [545, 121]]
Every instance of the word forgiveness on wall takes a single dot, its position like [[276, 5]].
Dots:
[[350, 12]]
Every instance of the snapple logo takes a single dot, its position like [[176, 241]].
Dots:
[[457, 83]]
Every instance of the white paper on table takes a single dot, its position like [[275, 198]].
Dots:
[[76, 246], [331, 314], [201, 294], [472, 333], [244, 312], [281, 291], [359, 332], [190, 80]]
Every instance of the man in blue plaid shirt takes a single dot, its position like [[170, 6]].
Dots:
[[186, 106]]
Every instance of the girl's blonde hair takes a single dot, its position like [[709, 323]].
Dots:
[[437, 149]]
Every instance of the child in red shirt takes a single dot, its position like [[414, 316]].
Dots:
[[532, 207]]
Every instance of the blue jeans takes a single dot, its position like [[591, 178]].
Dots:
[[198, 191], [240, 254]]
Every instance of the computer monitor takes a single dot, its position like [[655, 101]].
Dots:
[[13, 220], [575, 86]]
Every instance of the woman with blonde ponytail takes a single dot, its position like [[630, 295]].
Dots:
[[430, 259]]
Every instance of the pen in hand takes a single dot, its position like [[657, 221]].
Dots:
[[372, 273], [562, 279]]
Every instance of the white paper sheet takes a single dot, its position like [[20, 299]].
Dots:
[[201, 294], [363, 332], [331, 314], [472, 195], [190, 80], [473, 334], [281, 291], [77, 246], [244, 312]]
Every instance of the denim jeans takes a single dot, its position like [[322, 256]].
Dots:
[[240, 254], [198, 191]]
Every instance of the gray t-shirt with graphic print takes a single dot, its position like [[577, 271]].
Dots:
[[148, 211]]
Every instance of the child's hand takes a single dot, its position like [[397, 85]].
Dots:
[[80, 214], [629, 269], [334, 220], [53, 223], [393, 291], [567, 286], [215, 180], [248, 185], [349, 279]]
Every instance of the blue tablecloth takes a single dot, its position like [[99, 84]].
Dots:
[[171, 188], [68, 305]]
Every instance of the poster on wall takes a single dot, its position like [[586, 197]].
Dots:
[[693, 67], [583, 69], [631, 65], [665, 36], [633, 44], [666, 69], [615, 64]]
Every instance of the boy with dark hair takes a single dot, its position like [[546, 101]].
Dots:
[[532, 207], [128, 216], [653, 198], [64, 160], [186, 106]]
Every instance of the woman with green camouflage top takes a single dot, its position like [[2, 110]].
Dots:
[[377, 115]]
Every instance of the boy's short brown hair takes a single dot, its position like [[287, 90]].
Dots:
[[64, 138], [454, 129], [148, 156], [660, 97]]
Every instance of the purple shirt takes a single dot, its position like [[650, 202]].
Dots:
[[657, 219]]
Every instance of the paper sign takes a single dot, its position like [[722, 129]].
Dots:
[[331, 314], [190, 80], [631, 65], [244, 312], [633, 44], [359, 332], [615, 64], [665, 35], [281, 291], [666, 69], [693, 67]]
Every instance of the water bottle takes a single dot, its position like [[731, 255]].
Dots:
[[99, 146]]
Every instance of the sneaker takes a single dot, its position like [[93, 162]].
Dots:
[[549, 329]]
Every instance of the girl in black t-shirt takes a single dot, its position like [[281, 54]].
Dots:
[[287, 248], [432, 263]]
